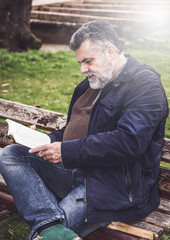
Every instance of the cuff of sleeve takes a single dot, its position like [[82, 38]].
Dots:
[[70, 151], [52, 137]]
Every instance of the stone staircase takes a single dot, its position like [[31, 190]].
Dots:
[[55, 22]]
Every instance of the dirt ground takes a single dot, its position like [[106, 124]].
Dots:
[[54, 47]]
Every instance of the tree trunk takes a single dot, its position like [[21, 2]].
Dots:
[[15, 33]]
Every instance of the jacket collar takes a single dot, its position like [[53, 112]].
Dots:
[[129, 70], [126, 75]]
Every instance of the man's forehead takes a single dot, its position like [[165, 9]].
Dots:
[[86, 51]]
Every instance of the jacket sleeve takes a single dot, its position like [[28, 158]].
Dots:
[[144, 109], [57, 135]]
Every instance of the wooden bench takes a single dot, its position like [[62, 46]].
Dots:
[[152, 227]]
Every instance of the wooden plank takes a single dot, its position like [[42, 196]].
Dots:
[[164, 206], [148, 226], [2, 222], [3, 186], [70, 17], [7, 201], [4, 139], [4, 212], [42, 118], [110, 234], [159, 219], [2, 180], [5, 215], [136, 231], [164, 182], [166, 151]]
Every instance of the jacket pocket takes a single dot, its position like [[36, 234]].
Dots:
[[107, 189], [109, 113]]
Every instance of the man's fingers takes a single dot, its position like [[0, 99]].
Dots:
[[33, 127], [38, 149], [50, 152], [44, 154]]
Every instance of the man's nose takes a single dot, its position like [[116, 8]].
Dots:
[[84, 68]]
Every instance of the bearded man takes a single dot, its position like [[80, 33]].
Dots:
[[104, 163]]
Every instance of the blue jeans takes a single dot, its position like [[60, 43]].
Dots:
[[34, 182]]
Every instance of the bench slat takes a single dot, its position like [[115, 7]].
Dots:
[[166, 151], [3, 212], [4, 221], [4, 139], [136, 231], [150, 227], [110, 234], [164, 206], [42, 118], [4, 216], [159, 219], [164, 182], [7, 201]]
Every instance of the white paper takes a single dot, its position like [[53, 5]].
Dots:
[[26, 136]]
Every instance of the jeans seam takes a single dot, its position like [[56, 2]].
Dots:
[[45, 194], [58, 214], [41, 224]]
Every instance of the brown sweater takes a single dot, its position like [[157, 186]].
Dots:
[[77, 126]]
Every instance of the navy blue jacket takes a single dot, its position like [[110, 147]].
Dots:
[[122, 150]]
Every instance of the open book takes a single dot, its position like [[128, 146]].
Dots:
[[26, 136]]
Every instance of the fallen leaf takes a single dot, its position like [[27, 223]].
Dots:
[[5, 84], [4, 91], [11, 233]]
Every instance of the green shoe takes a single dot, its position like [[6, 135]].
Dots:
[[57, 232]]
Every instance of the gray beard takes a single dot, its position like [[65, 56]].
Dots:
[[99, 83], [102, 78]]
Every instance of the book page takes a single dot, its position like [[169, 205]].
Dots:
[[26, 136]]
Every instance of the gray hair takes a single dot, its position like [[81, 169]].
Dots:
[[100, 33]]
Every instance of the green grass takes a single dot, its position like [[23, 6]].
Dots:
[[39, 78], [14, 229], [48, 80]]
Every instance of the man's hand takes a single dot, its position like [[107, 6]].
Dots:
[[33, 127], [50, 152]]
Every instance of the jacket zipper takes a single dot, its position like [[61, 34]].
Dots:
[[85, 200], [128, 181]]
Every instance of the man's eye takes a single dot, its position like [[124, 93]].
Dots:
[[89, 61]]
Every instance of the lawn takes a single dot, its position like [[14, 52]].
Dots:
[[48, 80]]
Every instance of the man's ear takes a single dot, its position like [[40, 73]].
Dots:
[[110, 51]]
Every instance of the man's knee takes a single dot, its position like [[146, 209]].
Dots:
[[8, 153], [8, 150]]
